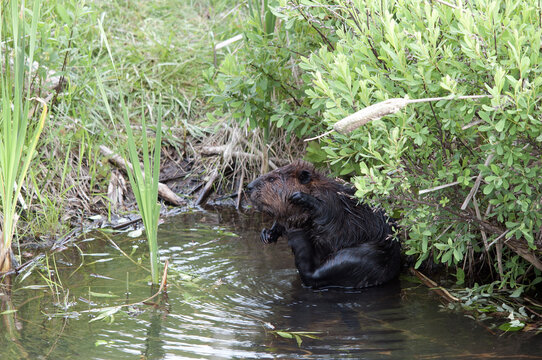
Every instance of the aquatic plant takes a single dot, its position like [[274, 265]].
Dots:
[[144, 180], [18, 135], [145, 183]]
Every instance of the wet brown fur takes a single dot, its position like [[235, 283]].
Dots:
[[336, 239], [278, 186]]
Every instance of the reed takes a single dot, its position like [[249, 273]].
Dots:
[[18, 135], [145, 183], [144, 180]]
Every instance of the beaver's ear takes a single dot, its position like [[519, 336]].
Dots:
[[304, 177]]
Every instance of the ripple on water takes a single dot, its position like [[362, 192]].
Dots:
[[240, 291]]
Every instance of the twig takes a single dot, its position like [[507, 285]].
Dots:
[[439, 187], [163, 190], [319, 136], [125, 254], [18, 269], [240, 190], [220, 150], [479, 217], [331, 47], [498, 250], [448, 4], [520, 248], [207, 189], [476, 183], [229, 41], [434, 286], [126, 224], [262, 70]]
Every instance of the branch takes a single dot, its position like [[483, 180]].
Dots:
[[163, 190]]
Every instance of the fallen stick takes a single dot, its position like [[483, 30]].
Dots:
[[434, 286], [164, 191], [202, 198], [240, 189]]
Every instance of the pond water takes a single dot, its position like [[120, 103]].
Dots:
[[230, 297]]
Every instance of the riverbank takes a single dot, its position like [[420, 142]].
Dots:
[[286, 80]]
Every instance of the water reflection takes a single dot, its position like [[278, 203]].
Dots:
[[234, 292]]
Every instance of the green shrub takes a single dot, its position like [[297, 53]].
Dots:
[[260, 83], [422, 162]]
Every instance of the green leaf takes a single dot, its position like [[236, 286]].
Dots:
[[460, 276], [517, 293], [63, 13], [514, 325], [101, 295], [500, 125], [298, 340], [6, 312], [284, 334]]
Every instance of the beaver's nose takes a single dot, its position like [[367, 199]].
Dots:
[[251, 186]]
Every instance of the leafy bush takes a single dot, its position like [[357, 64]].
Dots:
[[423, 162], [426, 160], [260, 83]]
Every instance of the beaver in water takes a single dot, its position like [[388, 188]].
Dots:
[[336, 239]]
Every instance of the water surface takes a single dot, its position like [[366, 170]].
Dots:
[[227, 297]]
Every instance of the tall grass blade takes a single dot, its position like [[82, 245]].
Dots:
[[144, 181], [15, 157]]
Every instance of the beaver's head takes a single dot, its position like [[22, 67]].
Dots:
[[271, 192]]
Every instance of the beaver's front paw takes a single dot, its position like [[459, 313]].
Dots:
[[304, 200], [269, 236]]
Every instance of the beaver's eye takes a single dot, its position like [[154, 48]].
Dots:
[[271, 179], [304, 177]]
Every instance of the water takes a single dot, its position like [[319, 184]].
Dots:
[[227, 298]]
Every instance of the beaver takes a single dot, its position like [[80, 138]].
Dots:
[[336, 239]]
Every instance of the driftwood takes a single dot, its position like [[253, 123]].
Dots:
[[164, 191], [207, 189]]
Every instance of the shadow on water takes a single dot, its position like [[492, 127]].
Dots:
[[231, 297]]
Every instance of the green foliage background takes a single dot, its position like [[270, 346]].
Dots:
[[351, 54]]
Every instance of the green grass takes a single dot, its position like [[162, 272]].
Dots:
[[160, 49], [18, 136]]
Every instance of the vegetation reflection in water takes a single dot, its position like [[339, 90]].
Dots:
[[229, 296]]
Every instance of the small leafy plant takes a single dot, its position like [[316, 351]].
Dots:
[[296, 335]]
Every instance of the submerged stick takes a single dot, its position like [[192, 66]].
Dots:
[[163, 190], [163, 285], [434, 286]]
